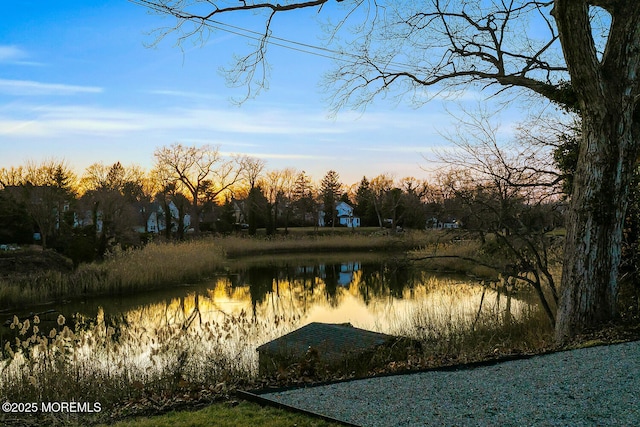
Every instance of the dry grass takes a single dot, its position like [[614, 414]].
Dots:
[[160, 265], [154, 266], [491, 325], [128, 368], [338, 242]]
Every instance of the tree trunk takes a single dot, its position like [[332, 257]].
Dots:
[[589, 289], [608, 94]]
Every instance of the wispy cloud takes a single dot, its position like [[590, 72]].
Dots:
[[46, 121], [284, 137], [281, 156], [10, 54], [32, 88], [400, 149], [183, 94], [23, 120]]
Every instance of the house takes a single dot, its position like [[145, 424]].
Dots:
[[156, 223], [327, 343], [344, 215], [238, 212]]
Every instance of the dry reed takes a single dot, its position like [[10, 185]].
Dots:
[[160, 265], [493, 324]]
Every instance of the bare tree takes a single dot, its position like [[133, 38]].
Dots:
[[202, 171], [537, 45], [169, 196], [509, 193], [277, 186], [11, 177], [108, 193], [288, 183], [414, 198], [253, 169]]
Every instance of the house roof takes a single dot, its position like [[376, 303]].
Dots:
[[333, 341]]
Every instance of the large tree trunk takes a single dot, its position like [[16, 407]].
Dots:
[[589, 288], [607, 92]]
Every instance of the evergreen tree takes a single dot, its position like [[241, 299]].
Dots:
[[330, 190], [364, 206], [15, 225], [303, 197]]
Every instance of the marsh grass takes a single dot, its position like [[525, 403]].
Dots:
[[338, 242], [160, 265], [130, 367], [491, 325], [154, 266]]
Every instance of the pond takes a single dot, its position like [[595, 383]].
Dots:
[[275, 295]]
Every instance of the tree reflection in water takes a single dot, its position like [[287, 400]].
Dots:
[[245, 308]]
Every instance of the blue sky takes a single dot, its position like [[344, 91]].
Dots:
[[78, 82]]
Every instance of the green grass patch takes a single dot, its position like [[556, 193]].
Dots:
[[224, 415]]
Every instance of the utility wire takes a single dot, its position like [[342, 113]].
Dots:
[[285, 43], [310, 49]]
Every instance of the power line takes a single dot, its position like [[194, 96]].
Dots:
[[304, 47], [285, 43]]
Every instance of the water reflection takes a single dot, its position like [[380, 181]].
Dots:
[[248, 306]]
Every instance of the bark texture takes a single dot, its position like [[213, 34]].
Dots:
[[607, 91]]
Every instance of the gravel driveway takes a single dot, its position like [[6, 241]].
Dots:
[[597, 386]]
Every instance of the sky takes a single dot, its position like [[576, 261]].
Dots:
[[83, 82]]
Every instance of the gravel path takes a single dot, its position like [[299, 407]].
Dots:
[[597, 386]]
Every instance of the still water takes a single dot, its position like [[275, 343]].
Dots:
[[253, 303], [368, 292]]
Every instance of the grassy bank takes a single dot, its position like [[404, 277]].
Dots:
[[328, 243], [154, 266]]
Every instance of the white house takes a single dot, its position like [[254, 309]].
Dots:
[[156, 222], [345, 215]]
